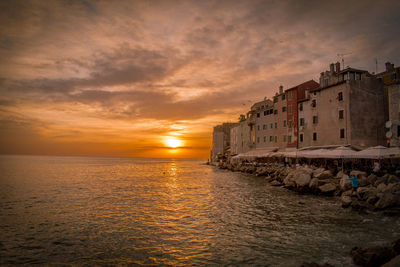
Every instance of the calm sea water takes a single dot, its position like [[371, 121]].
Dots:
[[102, 211]]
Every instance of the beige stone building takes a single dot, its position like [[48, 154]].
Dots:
[[280, 125], [240, 136], [221, 140], [347, 109], [263, 116]]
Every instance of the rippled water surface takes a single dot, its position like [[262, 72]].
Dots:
[[98, 211]]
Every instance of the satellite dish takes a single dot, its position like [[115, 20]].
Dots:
[[388, 124], [389, 134]]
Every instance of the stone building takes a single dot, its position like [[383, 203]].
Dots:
[[263, 115], [391, 80], [280, 125], [240, 136], [347, 109], [221, 141]]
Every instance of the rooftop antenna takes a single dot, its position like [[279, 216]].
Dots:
[[376, 65], [341, 56]]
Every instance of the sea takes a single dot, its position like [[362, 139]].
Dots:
[[169, 212]]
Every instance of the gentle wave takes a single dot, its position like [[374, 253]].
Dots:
[[97, 211]]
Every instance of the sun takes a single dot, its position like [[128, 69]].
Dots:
[[173, 142]]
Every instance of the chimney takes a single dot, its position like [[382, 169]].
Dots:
[[281, 89], [332, 68], [337, 65], [389, 66]]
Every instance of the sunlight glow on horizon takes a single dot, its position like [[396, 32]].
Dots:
[[172, 142]]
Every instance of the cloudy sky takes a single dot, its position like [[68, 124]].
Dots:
[[116, 78]]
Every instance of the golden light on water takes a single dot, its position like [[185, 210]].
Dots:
[[173, 142]]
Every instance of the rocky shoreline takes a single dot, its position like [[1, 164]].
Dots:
[[377, 192]]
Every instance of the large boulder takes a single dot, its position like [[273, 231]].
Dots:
[[303, 179], [345, 201], [324, 175], [345, 184], [395, 262], [318, 171], [393, 179], [363, 181], [367, 192], [371, 179], [276, 183], [386, 200], [328, 188], [314, 184]]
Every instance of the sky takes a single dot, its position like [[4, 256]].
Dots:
[[124, 78]]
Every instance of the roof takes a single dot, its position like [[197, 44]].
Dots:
[[302, 84], [351, 69]]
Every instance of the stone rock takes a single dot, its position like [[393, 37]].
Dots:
[[328, 188], [381, 187], [394, 262], [372, 256], [357, 174], [380, 180], [372, 200], [303, 179], [276, 183], [366, 192], [357, 204], [393, 179], [318, 171], [385, 200], [347, 193], [345, 184], [371, 179], [314, 184], [314, 264], [363, 181], [324, 175], [339, 175], [345, 201]]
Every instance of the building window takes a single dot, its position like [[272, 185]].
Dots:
[[314, 136], [284, 123], [290, 109], [283, 109], [271, 125], [271, 138], [289, 95], [276, 125], [265, 139], [276, 139], [265, 112], [398, 130], [301, 106], [284, 138], [301, 138], [351, 75], [290, 123], [275, 99], [315, 119], [258, 115], [313, 103], [258, 139], [340, 96], [301, 121], [358, 76], [341, 133], [275, 111], [341, 114], [271, 111], [283, 97], [258, 127]]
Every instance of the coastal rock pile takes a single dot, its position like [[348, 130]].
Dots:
[[374, 193], [386, 255]]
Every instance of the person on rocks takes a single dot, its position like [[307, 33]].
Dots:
[[355, 184]]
